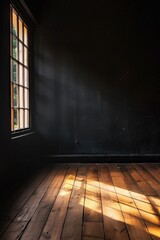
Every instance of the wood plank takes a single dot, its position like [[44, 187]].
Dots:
[[133, 186], [135, 224], [145, 207], [153, 224], [19, 192], [142, 202], [93, 219], [155, 201], [23, 195], [37, 223], [149, 192], [54, 224], [143, 184], [151, 217], [154, 170], [26, 213], [92, 204], [145, 203], [93, 229], [92, 238], [149, 178], [152, 191], [140, 199], [72, 229], [152, 220], [31, 205], [114, 225]]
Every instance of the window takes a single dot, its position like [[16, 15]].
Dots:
[[19, 62]]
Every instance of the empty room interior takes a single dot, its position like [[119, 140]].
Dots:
[[80, 120]]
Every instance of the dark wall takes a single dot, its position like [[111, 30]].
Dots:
[[4, 86], [97, 76]]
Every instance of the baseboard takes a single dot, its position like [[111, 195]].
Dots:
[[108, 158]]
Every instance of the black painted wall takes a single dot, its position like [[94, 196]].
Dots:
[[4, 86], [97, 77]]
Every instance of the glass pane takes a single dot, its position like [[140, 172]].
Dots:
[[21, 118], [25, 36], [11, 44], [14, 23], [11, 67], [26, 80], [20, 30], [16, 122], [26, 119], [21, 98], [11, 94], [14, 47], [20, 52], [12, 119], [25, 56], [14, 72], [20, 74], [26, 97], [15, 96]]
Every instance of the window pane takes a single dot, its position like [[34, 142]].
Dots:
[[14, 47], [21, 118], [14, 20], [15, 96], [25, 56], [16, 122], [20, 30], [12, 119], [12, 94], [20, 52], [26, 94], [14, 74], [21, 98], [11, 69], [26, 118], [11, 41], [26, 80], [20, 74], [25, 36]]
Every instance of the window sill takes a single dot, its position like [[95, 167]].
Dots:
[[21, 134]]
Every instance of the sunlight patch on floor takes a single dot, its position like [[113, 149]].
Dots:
[[126, 206]]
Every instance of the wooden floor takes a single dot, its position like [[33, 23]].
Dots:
[[86, 201]]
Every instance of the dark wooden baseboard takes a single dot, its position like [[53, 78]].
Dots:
[[108, 158]]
